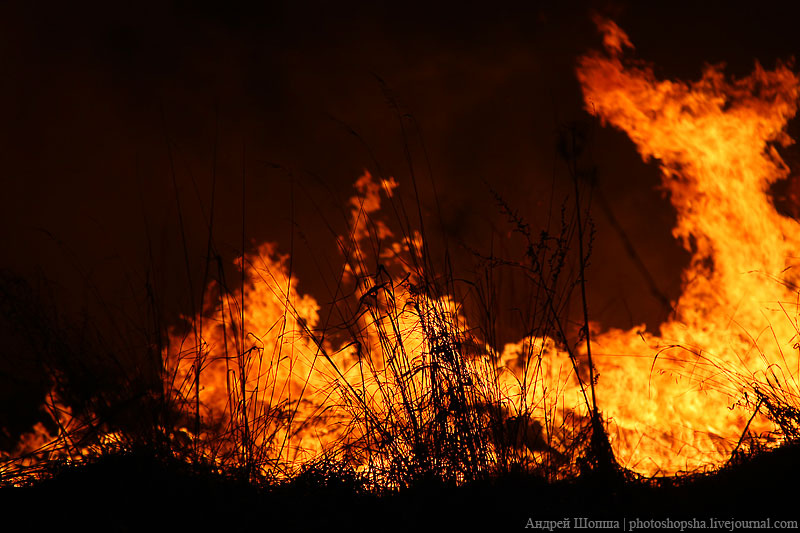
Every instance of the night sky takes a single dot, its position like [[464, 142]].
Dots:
[[100, 102]]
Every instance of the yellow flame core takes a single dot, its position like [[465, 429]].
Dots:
[[736, 317]]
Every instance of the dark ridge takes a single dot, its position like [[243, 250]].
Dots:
[[139, 491]]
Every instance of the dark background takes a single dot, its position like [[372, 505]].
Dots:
[[99, 103]]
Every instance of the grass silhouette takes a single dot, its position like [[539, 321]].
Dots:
[[422, 420]]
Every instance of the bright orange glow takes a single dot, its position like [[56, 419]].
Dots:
[[275, 392], [734, 325]]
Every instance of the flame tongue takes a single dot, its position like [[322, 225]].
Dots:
[[711, 139]]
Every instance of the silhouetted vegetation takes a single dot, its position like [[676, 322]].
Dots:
[[439, 443]]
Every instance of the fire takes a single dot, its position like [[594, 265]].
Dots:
[[38, 446], [261, 386], [401, 393], [671, 396]]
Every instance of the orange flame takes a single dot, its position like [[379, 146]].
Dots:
[[735, 321], [299, 394]]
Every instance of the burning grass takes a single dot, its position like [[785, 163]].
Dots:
[[255, 386], [396, 388]]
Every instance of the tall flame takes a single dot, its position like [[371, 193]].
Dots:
[[734, 328]]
